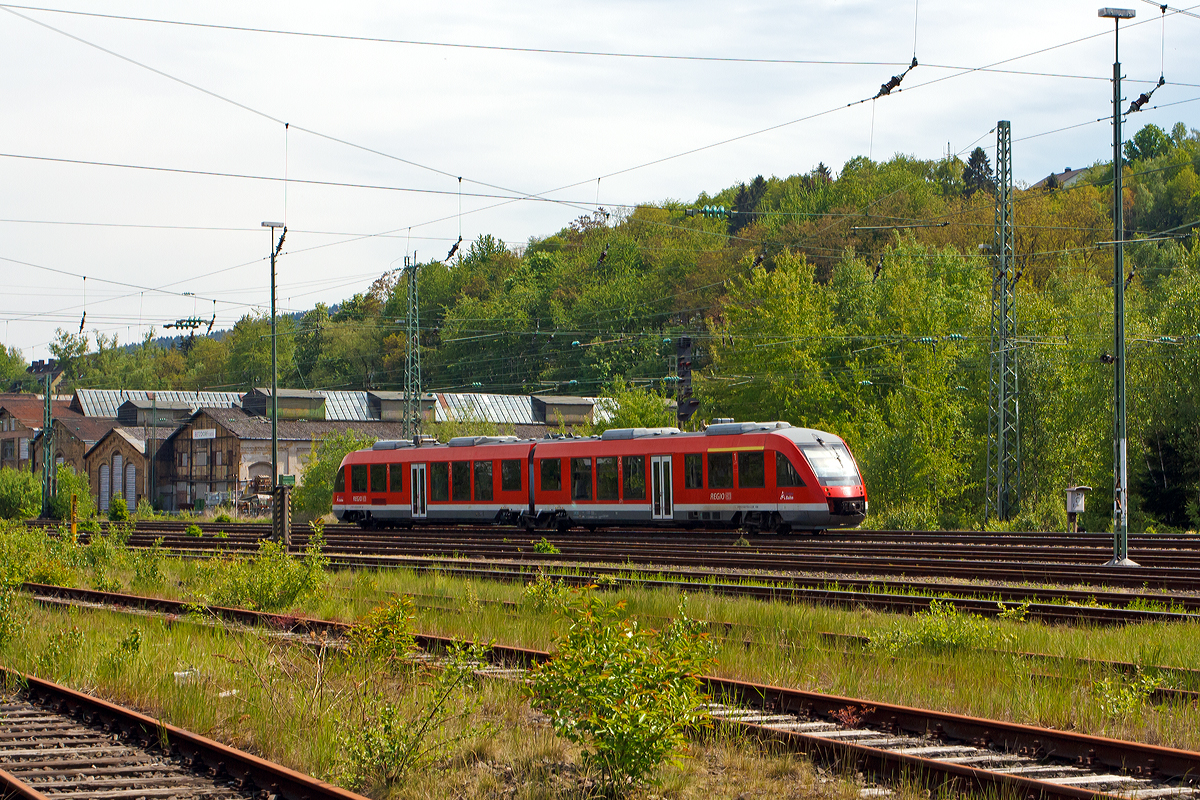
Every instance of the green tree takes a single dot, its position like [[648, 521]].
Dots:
[[977, 175], [68, 482], [249, 362], [20, 494], [70, 350], [1150, 142], [629, 406], [13, 366], [314, 496]]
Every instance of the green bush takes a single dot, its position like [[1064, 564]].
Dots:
[[386, 741], [20, 494], [193, 530], [144, 509], [271, 580], [69, 482], [385, 634], [117, 510], [223, 517], [942, 628], [545, 546], [628, 693], [12, 617]]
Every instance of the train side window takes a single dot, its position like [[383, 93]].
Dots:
[[439, 481], [634, 468], [510, 475], [396, 477], [551, 475], [751, 472], [358, 477], [693, 470], [339, 483], [379, 477], [720, 470], [785, 473], [483, 480], [460, 481], [581, 479], [607, 478]]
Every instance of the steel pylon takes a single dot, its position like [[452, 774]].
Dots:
[[412, 360], [1004, 421]]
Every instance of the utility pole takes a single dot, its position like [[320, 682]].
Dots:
[[1004, 444], [1120, 464], [275, 492], [152, 489], [412, 361], [47, 450]]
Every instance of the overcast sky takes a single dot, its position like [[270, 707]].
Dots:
[[510, 123]]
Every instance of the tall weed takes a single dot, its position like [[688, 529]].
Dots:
[[942, 628]]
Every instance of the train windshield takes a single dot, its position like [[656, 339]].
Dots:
[[832, 464]]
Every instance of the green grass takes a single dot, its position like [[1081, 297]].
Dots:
[[293, 704]]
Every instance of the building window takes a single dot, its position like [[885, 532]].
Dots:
[[217, 458], [24, 450], [693, 471], [483, 480], [510, 475]]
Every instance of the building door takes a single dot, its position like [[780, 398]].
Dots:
[[660, 487], [418, 491]]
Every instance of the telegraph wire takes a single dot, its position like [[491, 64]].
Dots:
[[581, 205]]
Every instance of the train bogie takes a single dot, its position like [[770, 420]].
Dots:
[[759, 476]]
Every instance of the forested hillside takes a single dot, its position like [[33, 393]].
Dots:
[[858, 303]]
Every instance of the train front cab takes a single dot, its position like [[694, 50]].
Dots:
[[837, 496]]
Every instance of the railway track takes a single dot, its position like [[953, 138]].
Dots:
[[59, 744], [885, 741], [1168, 563]]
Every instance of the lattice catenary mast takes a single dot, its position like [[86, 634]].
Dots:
[[412, 361], [1004, 422]]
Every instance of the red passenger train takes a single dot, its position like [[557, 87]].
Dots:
[[755, 475]]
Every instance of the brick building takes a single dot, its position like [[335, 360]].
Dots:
[[21, 419]]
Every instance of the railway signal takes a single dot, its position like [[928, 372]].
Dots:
[[686, 403]]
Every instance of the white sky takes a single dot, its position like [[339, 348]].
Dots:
[[527, 122]]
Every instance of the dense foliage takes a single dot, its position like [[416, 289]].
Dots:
[[858, 302]]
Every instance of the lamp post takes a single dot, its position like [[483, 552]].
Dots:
[[275, 248], [1120, 463]]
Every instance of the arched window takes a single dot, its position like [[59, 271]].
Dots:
[[131, 486], [104, 487], [117, 472]]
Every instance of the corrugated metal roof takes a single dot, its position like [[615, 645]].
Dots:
[[105, 402], [347, 407], [514, 409]]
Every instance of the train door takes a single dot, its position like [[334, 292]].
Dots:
[[418, 491], [660, 487]]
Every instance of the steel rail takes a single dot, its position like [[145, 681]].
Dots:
[[192, 750], [885, 734]]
